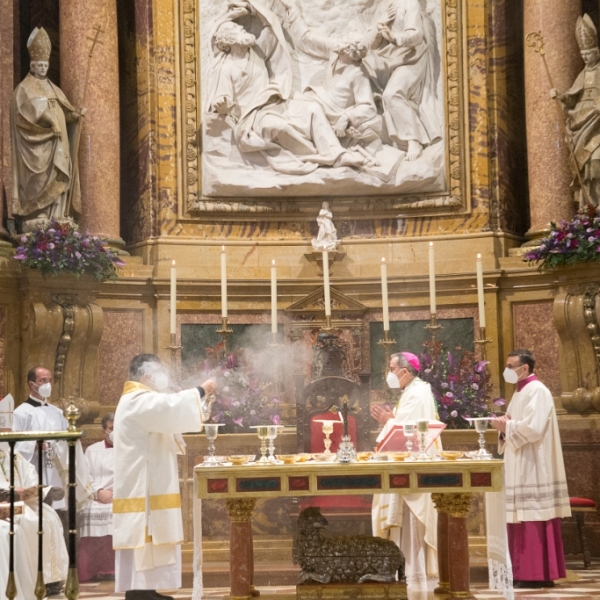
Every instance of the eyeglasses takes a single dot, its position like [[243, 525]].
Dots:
[[513, 366]]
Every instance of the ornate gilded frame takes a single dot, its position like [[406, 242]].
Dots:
[[192, 206]]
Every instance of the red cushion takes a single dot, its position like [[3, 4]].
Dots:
[[582, 503]]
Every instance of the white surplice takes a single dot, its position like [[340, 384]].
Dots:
[[534, 471], [418, 543], [96, 517], [147, 523], [55, 462], [56, 558]]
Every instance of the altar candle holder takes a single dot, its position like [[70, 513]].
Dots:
[[433, 326], [263, 434], [212, 431], [409, 432], [328, 326], [224, 332], [271, 435], [386, 342], [423, 429], [481, 425], [173, 347], [482, 341], [327, 428]]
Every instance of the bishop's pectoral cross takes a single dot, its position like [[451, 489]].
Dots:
[[343, 409]]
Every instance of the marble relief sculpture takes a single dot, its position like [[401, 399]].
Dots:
[[41, 142], [327, 236], [350, 105]]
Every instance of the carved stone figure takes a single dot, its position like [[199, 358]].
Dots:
[[327, 237], [41, 145], [582, 103], [402, 64], [296, 104], [343, 559], [251, 88]]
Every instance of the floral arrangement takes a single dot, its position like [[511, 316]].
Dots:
[[569, 241], [244, 399], [62, 248], [460, 384]]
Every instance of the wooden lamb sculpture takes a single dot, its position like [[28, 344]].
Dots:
[[343, 559]]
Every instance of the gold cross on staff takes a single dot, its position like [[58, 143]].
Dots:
[[98, 29]]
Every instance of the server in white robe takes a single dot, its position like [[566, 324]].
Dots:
[[96, 559], [147, 523], [410, 520], [536, 485], [36, 414], [56, 558]]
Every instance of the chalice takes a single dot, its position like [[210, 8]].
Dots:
[[271, 435], [409, 432], [481, 425], [263, 434], [327, 431], [211, 430], [423, 429]]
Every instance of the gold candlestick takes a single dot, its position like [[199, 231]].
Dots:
[[386, 342], [328, 326], [224, 332], [173, 347], [483, 341], [432, 326]]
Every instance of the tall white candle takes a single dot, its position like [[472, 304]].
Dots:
[[432, 305], [480, 300], [273, 297], [223, 283], [326, 283], [384, 296], [173, 327]]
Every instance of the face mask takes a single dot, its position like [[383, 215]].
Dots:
[[392, 380], [45, 390], [161, 381], [110, 437], [510, 375]]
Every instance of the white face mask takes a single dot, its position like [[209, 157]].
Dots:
[[510, 375], [111, 438], [45, 390], [392, 380], [161, 381]]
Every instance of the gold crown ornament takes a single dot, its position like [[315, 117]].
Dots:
[[39, 45], [585, 30]]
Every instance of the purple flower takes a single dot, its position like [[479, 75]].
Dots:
[[275, 419], [499, 401], [20, 256], [76, 234], [239, 421]]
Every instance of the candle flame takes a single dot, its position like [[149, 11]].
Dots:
[[273, 262], [383, 260], [431, 244], [223, 248], [479, 257], [173, 263]]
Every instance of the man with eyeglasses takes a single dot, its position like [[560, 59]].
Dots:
[[536, 486]]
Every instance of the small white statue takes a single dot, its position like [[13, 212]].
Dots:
[[327, 237]]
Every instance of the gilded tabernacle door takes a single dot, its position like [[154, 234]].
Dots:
[[294, 99]]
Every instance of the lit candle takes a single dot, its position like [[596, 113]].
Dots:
[[273, 297], [480, 300], [432, 306], [326, 284], [223, 283], [384, 296], [173, 328]]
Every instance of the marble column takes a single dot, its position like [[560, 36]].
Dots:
[[99, 149], [442, 546], [8, 49], [241, 563], [550, 197]]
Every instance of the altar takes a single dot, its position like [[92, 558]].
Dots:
[[451, 483]]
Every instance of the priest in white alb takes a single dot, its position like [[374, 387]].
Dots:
[[147, 522], [96, 559], [55, 557], [410, 520], [536, 485]]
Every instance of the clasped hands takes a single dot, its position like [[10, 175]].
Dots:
[[499, 423], [382, 413]]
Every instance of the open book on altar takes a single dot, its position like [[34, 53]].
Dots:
[[395, 440]]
